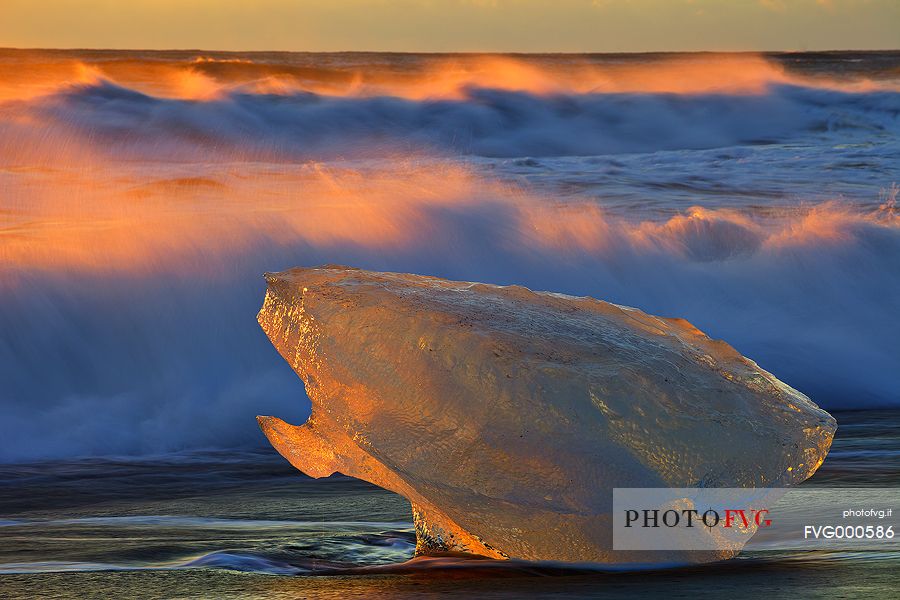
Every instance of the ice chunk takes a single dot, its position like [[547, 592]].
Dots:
[[506, 416]]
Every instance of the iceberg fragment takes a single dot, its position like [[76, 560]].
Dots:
[[507, 416]]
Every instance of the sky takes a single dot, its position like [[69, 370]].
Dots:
[[453, 25]]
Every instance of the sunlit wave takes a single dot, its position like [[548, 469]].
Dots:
[[116, 218], [143, 195], [205, 77]]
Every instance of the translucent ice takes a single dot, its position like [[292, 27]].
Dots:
[[507, 416]]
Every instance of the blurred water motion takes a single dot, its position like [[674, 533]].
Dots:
[[144, 194]]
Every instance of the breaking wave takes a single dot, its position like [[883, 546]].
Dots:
[[143, 201], [206, 107], [139, 323], [485, 122]]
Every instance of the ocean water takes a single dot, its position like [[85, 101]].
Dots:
[[246, 524], [143, 194]]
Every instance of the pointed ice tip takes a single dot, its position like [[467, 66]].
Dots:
[[271, 425]]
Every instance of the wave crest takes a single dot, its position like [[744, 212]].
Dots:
[[491, 106]]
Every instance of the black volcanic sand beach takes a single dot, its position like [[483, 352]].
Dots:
[[246, 525]]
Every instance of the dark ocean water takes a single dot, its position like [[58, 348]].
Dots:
[[235, 525]]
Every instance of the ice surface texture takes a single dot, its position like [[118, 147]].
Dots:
[[507, 416]]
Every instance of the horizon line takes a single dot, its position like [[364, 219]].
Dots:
[[473, 52]]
